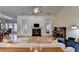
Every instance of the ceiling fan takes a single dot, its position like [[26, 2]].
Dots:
[[36, 10]]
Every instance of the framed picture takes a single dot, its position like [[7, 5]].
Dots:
[[60, 32]]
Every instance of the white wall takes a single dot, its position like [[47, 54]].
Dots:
[[30, 20], [67, 17]]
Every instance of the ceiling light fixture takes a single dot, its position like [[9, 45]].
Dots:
[[36, 10]]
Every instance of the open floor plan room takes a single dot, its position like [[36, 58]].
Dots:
[[39, 29]]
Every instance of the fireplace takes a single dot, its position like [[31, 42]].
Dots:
[[36, 31]]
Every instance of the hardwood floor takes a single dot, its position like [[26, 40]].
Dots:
[[9, 49], [53, 49]]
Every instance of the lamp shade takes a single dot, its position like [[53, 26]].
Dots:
[[74, 27]]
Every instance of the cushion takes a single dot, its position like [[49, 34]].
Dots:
[[61, 40], [71, 39]]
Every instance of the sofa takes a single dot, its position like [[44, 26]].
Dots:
[[70, 42]]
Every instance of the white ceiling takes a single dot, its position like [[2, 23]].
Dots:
[[14, 11]]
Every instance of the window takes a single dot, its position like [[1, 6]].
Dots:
[[10, 25], [7, 26], [48, 28], [15, 27]]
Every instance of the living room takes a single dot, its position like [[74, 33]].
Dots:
[[39, 27]]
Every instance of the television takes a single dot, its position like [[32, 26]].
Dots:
[[36, 25]]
